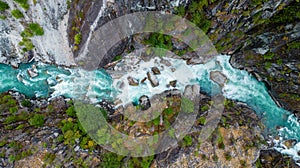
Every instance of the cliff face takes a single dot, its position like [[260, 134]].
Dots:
[[50, 47]]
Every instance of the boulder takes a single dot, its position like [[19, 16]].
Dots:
[[153, 79], [132, 81], [144, 102], [155, 71]]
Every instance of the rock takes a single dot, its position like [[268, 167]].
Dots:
[[218, 77], [173, 83], [59, 104], [191, 91], [155, 71], [143, 80], [144, 102], [289, 143], [153, 79], [132, 81], [32, 73]]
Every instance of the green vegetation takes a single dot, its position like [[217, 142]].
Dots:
[[187, 105], [37, 120], [23, 4], [17, 14], [202, 120], [71, 111], [3, 6], [77, 39], [187, 141], [2, 17], [117, 58], [36, 29], [195, 13], [33, 29], [26, 103], [269, 56], [227, 156]]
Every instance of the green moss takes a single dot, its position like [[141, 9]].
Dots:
[[202, 120], [187, 140], [17, 14], [269, 56], [111, 160], [37, 120], [287, 15], [10, 119], [36, 29], [227, 156], [23, 3], [3, 6], [71, 111], [187, 105], [26, 103], [77, 39], [2, 17], [117, 58]]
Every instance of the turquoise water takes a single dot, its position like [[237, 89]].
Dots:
[[98, 85]]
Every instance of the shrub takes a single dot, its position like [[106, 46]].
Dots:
[[3, 6], [23, 3], [17, 14], [187, 140], [37, 120], [26, 103], [77, 39], [36, 29], [71, 111]]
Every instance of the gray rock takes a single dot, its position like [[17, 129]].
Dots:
[[218, 77], [155, 71], [153, 79], [144, 102], [132, 81], [32, 73], [173, 83]]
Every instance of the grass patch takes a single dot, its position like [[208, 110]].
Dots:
[[77, 39], [17, 14], [37, 120], [23, 4], [36, 29]]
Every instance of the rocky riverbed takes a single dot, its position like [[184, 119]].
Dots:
[[262, 38]]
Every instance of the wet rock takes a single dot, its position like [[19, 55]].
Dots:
[[58, 104], [143, 80], [144, 102], [153, 79], [132, 81], [289, 143], [155, 71], [173, 83], [218, 77], [191, 91], [32, 73]]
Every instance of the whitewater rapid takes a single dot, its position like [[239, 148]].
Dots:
[[98, 85]]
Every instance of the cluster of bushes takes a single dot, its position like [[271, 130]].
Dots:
[[3, 6], [23, 3], [33, 29], [17, 14]]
